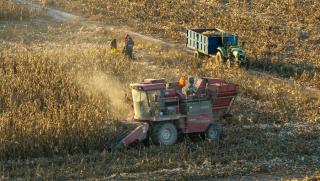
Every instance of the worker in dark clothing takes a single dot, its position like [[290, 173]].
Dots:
[[191, 87], [126, 38], [128, 47]]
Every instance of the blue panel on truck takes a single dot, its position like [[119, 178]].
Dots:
[[233, 40], [214, 43]]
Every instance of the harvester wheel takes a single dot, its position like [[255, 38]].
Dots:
[[213, 132], [164, 134]]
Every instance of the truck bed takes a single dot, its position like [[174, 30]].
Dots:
[[207, 41], [212, 32]]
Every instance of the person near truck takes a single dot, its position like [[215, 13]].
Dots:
[[128, 47], [113, 46]]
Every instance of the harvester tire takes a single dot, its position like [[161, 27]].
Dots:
[[213, 132], [164, 134]]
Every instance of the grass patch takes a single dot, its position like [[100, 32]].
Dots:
[[9, 10]]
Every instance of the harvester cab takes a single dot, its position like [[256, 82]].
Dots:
[[162, 110], [146, 100]]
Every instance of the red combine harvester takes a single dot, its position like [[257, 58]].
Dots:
[[164, 110]]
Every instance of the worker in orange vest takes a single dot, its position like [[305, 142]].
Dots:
[[182, 81]]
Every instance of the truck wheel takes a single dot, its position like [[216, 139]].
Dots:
[[228, 63], [236, 62], [219, 58], [213, 132], [164, 134], [247, 64], [196, 54]]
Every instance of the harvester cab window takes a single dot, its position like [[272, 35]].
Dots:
[[140, 102], [146, 103], [154, 101]]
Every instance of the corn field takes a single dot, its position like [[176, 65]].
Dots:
[[63, 95], [281, 36], [11, 11]]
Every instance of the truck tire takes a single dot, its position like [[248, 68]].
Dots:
[[241, 62], [219, 58], [228, 63], [247, 64], [164, 134], [198, 55], [236, 62], [213, 132]]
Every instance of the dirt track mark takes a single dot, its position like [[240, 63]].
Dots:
[[63, 16], [56, 14]]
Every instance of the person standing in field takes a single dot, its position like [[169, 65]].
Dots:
[[113, 46], [128, 47]]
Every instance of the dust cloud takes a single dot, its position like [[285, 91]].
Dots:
[[111, 89]]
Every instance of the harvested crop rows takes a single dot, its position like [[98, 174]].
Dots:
[[281, 37], [60, 100]]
